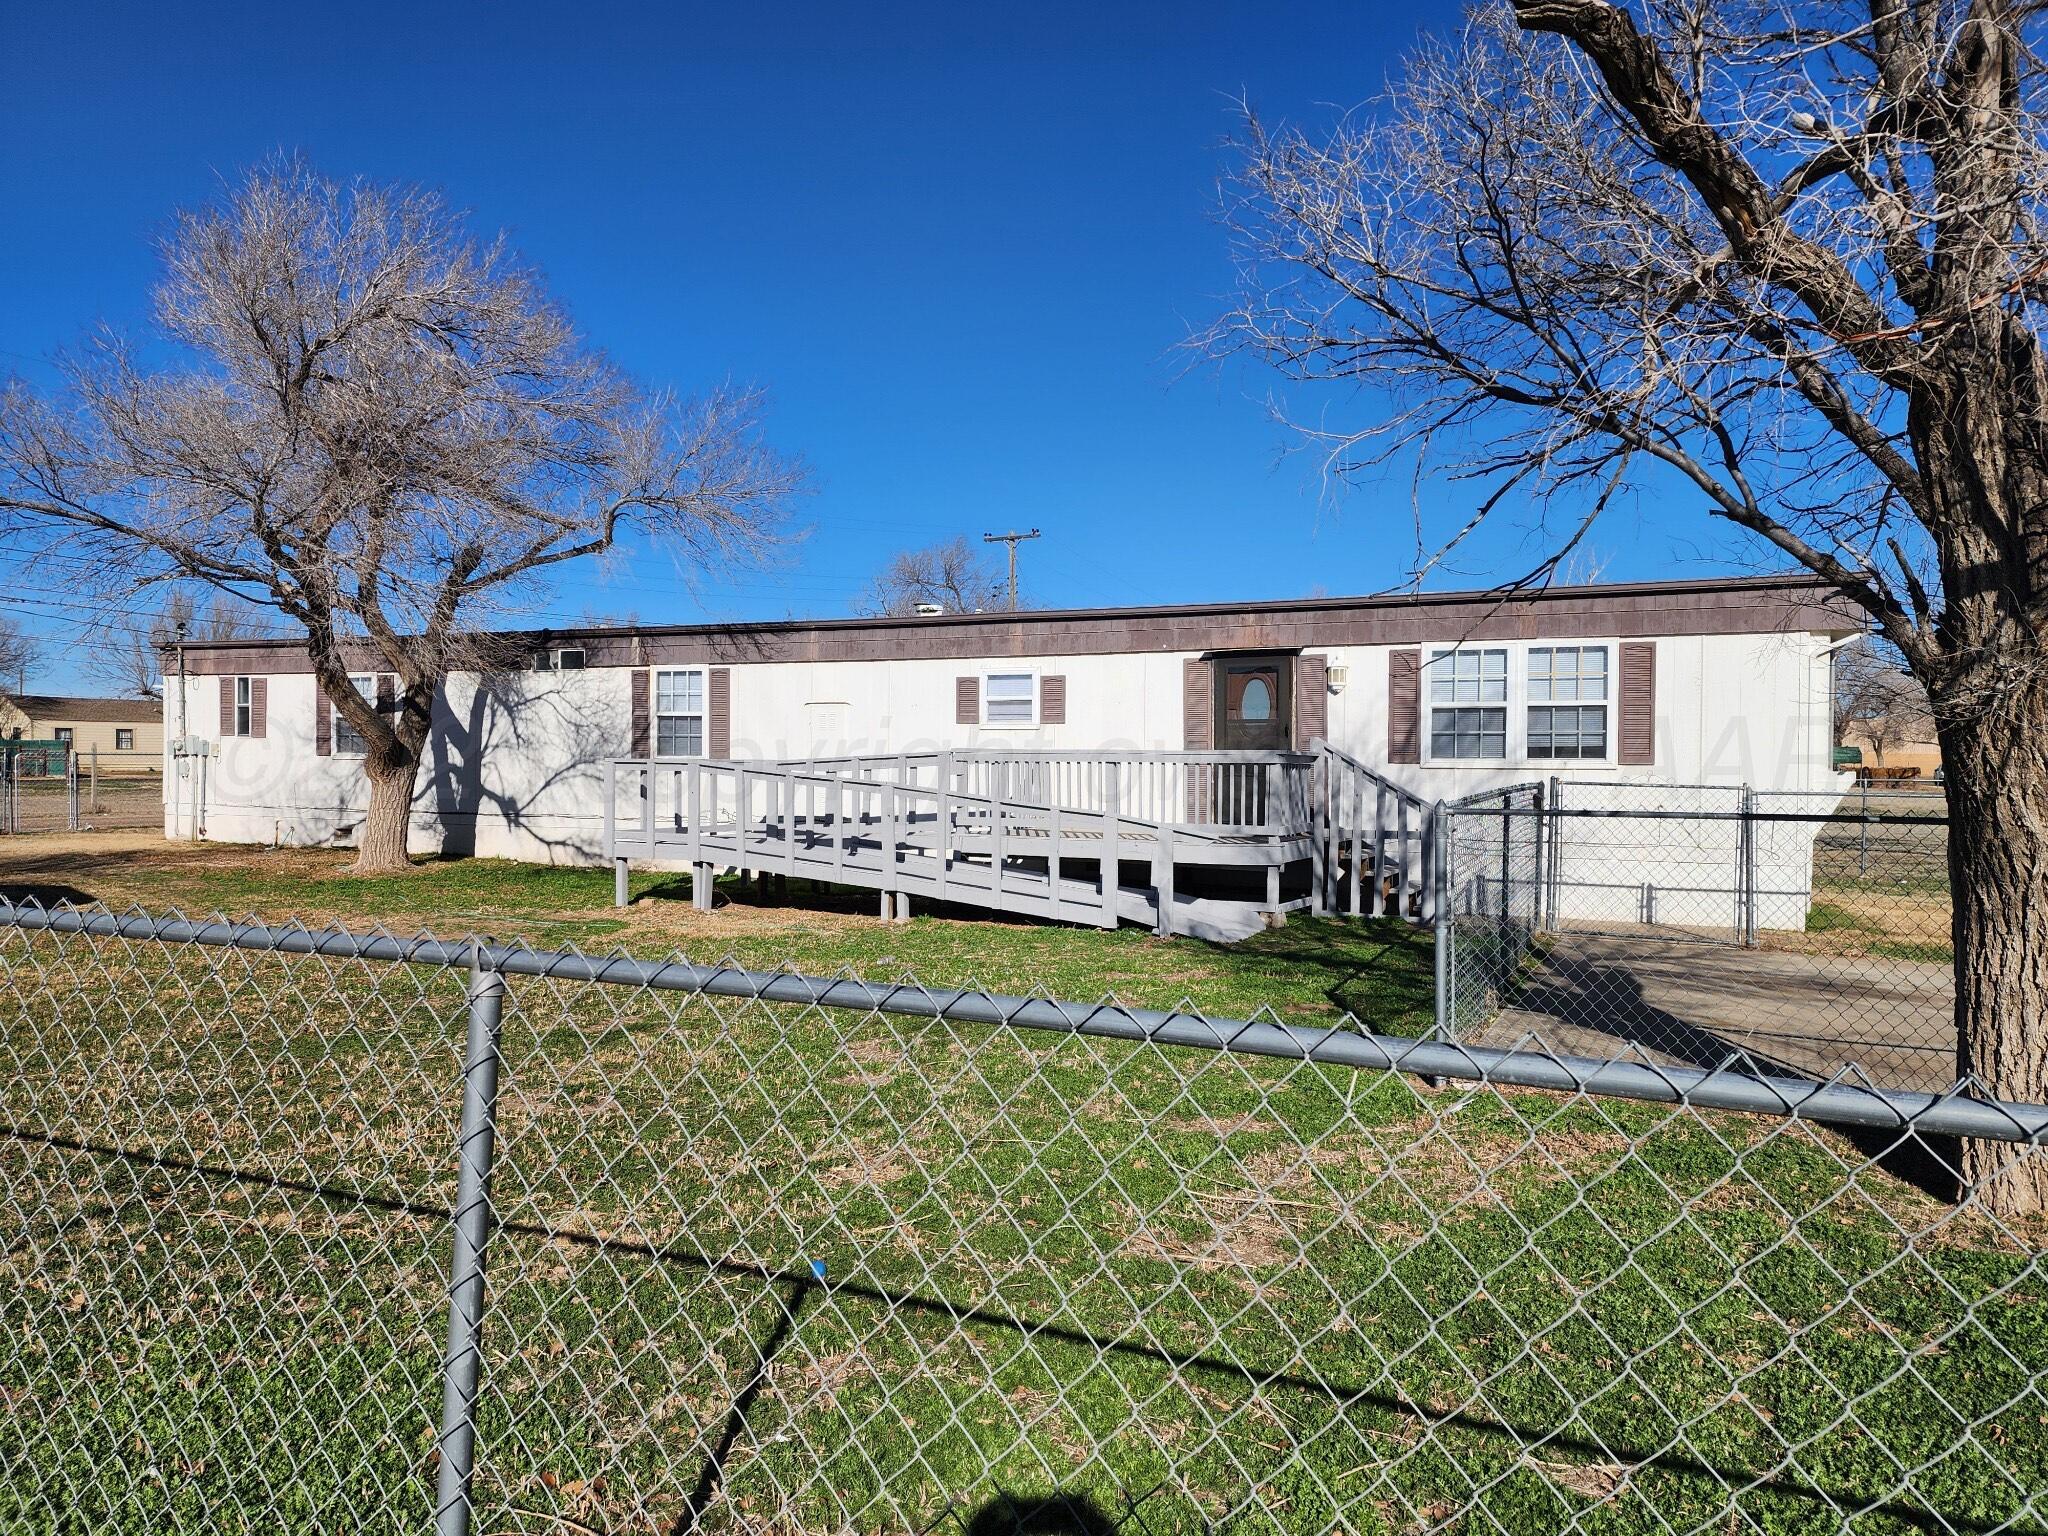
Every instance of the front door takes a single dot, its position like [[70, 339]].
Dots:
[[1254, 703]]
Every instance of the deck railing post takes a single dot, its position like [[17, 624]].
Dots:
[[998, 837], [476, 1148], [1162, 879], [700, 868], [1355, 786], [644, 774], [1378, 903], [1110, 878], [1412, 853], [611, 833], [895, 851], [1318, 814], [842, 830], [789, 818]]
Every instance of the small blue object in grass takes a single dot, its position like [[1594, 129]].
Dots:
[[818, 1270]]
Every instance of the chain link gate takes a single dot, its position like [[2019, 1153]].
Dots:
[[323, 1231]]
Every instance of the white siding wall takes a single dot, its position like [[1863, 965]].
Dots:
[[517, 769]]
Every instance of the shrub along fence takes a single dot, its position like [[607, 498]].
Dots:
[[314, 1231]]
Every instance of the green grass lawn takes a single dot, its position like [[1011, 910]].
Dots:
[[1311, 971], [1196, 1291]]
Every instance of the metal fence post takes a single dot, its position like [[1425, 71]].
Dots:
[[71, 791], [476, 1147], [1442, 824], [1554, 879], [1749, 923]]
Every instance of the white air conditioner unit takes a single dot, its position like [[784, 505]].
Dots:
[[929, 610]]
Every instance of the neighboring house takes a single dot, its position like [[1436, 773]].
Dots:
[[1891, 750], [1706, 681], [125, 735]]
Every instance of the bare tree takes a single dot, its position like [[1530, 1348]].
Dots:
[[956, 576], [131, 658], [1877, 699], [17, 650], [388, 431], [1785, 260]]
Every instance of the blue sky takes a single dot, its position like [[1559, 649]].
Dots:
[[958, 245]]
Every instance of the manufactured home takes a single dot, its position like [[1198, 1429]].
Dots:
[[1211, 758]]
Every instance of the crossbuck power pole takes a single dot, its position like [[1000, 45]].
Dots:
[[1013, 540]]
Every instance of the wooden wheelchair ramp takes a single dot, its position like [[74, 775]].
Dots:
[[1090, 839]]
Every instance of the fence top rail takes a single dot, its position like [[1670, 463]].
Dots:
[[1574, 813], [1478, 802], [1847, 1099]]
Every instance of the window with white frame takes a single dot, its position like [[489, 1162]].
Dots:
[[1468, 705], [1009, 698], [567, 659], [348, 741], [124, 739], [679, 712], [1568, 693], [245, 707]]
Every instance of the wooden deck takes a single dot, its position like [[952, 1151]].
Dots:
[[1093, 838]]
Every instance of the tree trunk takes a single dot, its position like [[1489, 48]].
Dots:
[[381, 848], [1996, 766]]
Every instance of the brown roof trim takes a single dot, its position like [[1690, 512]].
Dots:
[[58, 707], [1717, 605]]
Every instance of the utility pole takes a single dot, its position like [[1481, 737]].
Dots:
[[1013, 539]]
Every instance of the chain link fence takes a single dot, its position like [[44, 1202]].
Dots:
[[1808, 932], [55, 791], [317, 1232]]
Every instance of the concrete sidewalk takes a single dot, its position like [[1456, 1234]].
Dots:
[[1692, 1003]]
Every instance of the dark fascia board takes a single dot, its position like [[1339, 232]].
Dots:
[[1709, 605]]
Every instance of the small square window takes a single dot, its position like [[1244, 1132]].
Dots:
[[1009, 698], [124, 739]]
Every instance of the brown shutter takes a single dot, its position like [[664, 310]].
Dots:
[[1197, 705], [967, 701], [1052, 700], [1636, 732], [1311, 700], [387, 696], [640, 682], [259, 705], [718, 707], [1404, 706], [323, 721], [227, 708]]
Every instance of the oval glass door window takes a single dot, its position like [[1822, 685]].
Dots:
[[1256, 703]]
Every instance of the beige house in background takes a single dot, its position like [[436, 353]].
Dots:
[[127, 734], [1908, 751]]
